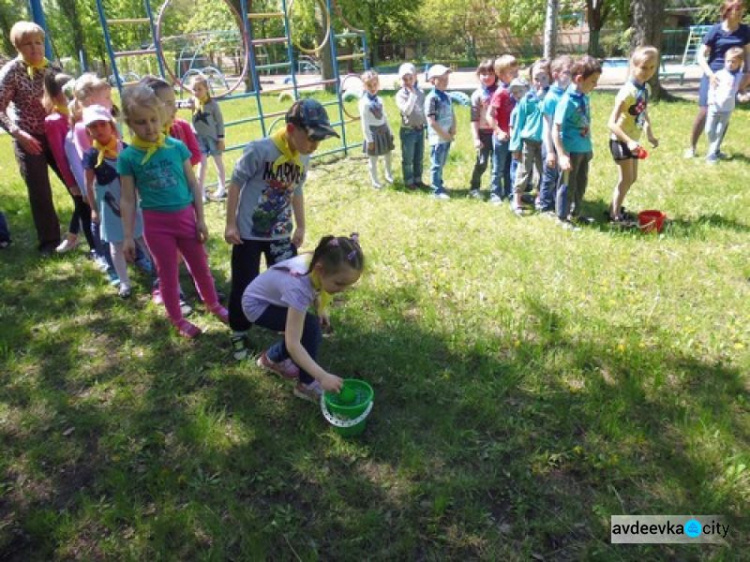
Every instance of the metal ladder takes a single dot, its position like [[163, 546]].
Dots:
[[114, 54], [695, 39]]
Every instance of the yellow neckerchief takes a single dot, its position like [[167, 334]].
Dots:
[[62, 109], [281, 142], [324, 298], [202, 101], [32, 68], [109, 150], [148, 146]]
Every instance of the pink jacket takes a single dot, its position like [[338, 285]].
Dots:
[[181, 130], [55, 128]]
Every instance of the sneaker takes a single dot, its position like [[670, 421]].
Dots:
[[723, 156], [377, 185], [145, 265], [220, 312], [239, 346], [124, 291], [185, 308], [689, 153], [114, 280], [474, 194], [101, 263], [567, 225], [441, 196], [188, 330], [495, 199], [219, 195], [156, 297], [67, 245], [712, 159], [389, 178], [310, 392], [285, 368], [582, 220], [516, 209]]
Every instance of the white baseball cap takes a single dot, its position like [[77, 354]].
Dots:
[[407, 68], [94, 113], [437, 70]]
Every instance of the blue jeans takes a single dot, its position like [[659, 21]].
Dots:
[[412, 154], [548, 188], [501, 184], [438, 156], [274, 318], [4, 230]]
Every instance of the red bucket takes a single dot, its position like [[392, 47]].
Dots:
[[651, 221]]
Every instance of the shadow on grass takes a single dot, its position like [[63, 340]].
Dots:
[[126, 437]]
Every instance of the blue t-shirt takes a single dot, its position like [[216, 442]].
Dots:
[[573, 115], [161, 182], [553, 97], [720, 41]]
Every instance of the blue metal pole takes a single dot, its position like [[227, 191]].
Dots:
[[108, 44], [37, 15]]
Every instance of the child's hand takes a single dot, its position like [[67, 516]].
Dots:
[[94, 216], [478, 144], [565, 162], [128, 249], [325, 321], [551, 160], [370, 147], [202, 231], [447, 137], [232, 235], [221, 145], [633, 145], [501, 135], [331, 383], [517, 156], [298, 237]]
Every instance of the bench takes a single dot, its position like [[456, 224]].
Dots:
[[678, 73]]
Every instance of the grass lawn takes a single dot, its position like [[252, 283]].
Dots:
[[529, 381]]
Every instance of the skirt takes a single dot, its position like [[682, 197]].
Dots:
[[382, 139]]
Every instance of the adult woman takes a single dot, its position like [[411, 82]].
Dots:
[[22, 115], [719, 39]]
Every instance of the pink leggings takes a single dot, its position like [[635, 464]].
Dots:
[[168, 235]]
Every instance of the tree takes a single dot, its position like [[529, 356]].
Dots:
[[648, 21], [550, 29]]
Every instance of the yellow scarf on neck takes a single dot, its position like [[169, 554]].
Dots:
[[31, 69], [201, 103], [323, 298], [106, 150], [148, 146], [62, 109], [281, 142]]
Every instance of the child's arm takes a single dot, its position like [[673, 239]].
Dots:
[[431, 112], [549, 143], [231, 232], [614, 117], [517, 126], [127, 211], [649, 131], [298, 208], [91, 196], [295, 323], [564, 156], [476, 108], [452, 130], [201, 228], [365, 117], [219, 127], [406, 101]]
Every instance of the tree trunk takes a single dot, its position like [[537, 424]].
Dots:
[[550, 30], [596, 16], [70, 10], [648, 20]]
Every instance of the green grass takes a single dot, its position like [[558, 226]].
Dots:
[[530, 382]]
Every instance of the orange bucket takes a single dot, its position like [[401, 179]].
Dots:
[[651, 221]]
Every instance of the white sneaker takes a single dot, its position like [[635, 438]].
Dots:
[[689, 153], [389, 178], [495, 199], [377, 185], [67, 245], [441, 196]]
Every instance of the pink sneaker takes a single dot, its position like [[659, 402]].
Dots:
[[285, 368], [220, 312], [310, 392], [188, 330]]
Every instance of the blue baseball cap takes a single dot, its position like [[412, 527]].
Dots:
[[311, 116]]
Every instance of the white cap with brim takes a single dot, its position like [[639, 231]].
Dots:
[[407, 68], [437, 70], [94, 113]]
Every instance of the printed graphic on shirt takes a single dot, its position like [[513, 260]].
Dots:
[[581, 119], [159, 176], [273, 214], [638, 109]]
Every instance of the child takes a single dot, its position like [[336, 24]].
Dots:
[[517, 89], [279, 300], [378, 139], [628, 117], [572, 137], [442, 127], [103, 189], [158, 168], [209, 128], [481, 130], [410, 102], [560, 73], [56, 127], [174, 126], [721, 101], [498, 116], [526, 135], [264, 192]]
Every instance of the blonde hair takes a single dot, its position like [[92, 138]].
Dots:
[[22, 29], [198, 79], [369, 75], [141, 96], [561, 64], [734, 53], [504, 62], [644, 53], [541, 65], [88, 83]]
